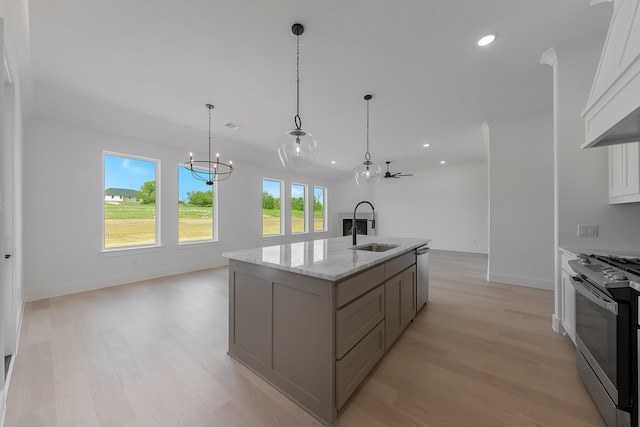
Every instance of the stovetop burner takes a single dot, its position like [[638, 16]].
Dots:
[[631, 265]]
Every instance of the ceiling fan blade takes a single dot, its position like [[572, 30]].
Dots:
[[394, 175]]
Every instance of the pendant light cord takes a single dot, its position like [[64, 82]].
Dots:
[[297, 120], [367, 156]]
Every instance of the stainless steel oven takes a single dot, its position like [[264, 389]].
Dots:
[[604, 338], [603, 363]]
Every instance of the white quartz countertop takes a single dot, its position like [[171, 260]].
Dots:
[[330, 259]]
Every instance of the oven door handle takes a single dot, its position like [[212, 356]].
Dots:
[[593, 295]]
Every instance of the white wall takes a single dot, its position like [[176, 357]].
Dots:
[[583, 174], [521, 203], [448, 204], [63, 240], [345, 197]]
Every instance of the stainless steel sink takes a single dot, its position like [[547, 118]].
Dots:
[[376, 247]]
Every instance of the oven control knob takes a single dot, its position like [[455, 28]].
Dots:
[[618, 275], [614, 274], [583, 259]]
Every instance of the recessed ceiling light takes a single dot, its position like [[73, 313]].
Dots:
[[425, 145], [486, 40], [442, 162], [333, 162]]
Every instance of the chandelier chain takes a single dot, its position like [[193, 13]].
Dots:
[[209, 108]]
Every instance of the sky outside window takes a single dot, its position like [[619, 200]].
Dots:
[[128, 173]]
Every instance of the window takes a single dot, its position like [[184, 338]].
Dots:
[[271, 213], [196, 208], [298, 218], [130, 205], [319, 209]]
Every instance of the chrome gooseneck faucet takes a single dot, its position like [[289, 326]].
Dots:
[[354, 230]]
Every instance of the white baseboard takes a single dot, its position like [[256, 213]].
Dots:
[[473, 250], [528, 282], [99, 283], [556, 324]]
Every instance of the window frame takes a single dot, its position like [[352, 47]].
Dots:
[[158, 204], [305, 209], [214, 213], [324, 209], [282, 208]]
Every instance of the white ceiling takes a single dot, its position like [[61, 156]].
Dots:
[[146, 68]]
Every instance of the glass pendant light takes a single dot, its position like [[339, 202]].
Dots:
[[368, 172], [297, 148]]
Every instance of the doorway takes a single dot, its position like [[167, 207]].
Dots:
[[8, 277]]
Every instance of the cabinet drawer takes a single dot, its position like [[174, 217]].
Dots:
[[354, 367], [355, 320], [396, 265], [354, 287]]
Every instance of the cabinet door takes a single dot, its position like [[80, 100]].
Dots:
[[631, 178], [393, 313], [400, 303], [568, 306], [624, 173], [408, 295], [615, 170]]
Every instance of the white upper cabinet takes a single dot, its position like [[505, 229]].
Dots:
[[612, 115], [624, 173]]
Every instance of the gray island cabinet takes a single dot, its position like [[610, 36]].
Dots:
[[313, 318]]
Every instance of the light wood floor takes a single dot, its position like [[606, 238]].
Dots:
[[153, 353]]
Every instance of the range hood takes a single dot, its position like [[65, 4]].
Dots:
[[612, 115]]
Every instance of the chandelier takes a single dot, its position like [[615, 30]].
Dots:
[[209, 171]]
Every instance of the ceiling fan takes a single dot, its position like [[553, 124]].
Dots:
[[394, 175]]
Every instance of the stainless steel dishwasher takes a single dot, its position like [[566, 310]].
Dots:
[[422, 293]]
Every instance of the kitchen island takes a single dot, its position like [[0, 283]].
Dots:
[[314, 318]]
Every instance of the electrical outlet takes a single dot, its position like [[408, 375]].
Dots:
[[587, 230]]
